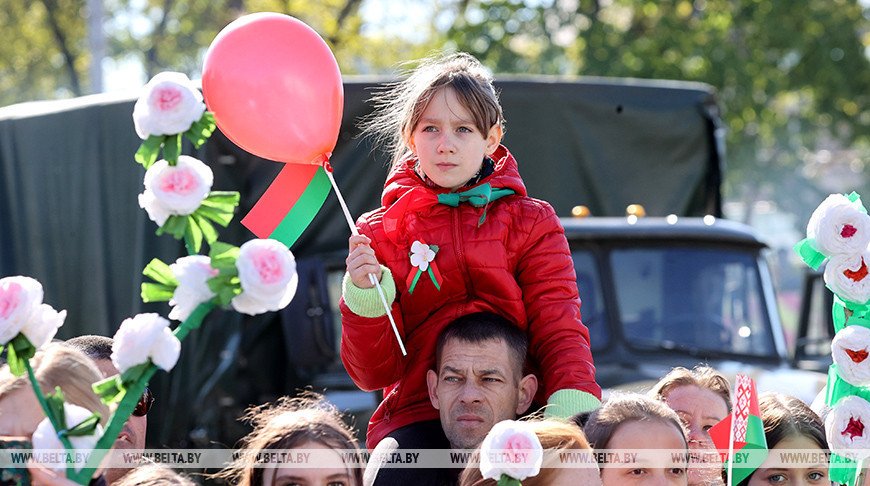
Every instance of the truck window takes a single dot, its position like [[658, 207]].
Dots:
[[592, 308], [708, 300]]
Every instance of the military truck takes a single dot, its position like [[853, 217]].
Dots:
[[679, 287]]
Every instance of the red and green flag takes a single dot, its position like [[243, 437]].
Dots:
[[290, 203], [739, 437]]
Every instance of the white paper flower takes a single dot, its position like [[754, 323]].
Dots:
[[169, 104], [192, 273], [267, 271], [43, 325], [421, 255], [19, 299], [22, 311], [175, 190], [847, 276], [511, 448], [45, 437], [145, 336], [850, 349], [839, 227], [846, 426]]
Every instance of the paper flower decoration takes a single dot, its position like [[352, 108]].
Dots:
[[45, 437], [421, 255], [267, 273], [839, 226], [175, 190], [848, 276], [192, 273], [142, 337], [511, 449], [170, 104], [845, 427], [22, 311], [851, 349]]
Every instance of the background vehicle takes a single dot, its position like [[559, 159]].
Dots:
[[656, 294]]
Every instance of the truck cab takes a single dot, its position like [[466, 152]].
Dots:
[[661, 292]]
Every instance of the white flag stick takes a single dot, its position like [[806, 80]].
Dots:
[[731, 434], [372, 277]]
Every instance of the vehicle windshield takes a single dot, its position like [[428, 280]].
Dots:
[[680, 298]]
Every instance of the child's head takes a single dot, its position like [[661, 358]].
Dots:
[[790, 424], [636, 425], [402, 105], [308, 423]]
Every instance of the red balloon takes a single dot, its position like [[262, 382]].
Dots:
[[274, 88]]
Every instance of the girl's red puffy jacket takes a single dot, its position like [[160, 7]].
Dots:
[[516, 263]]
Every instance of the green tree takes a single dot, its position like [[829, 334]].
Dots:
[[791, 76]]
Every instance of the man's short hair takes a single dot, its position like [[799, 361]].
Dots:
[[95, 347], [485, 326]]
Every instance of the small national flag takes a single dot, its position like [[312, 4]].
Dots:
[[745, 428], [289, 204]]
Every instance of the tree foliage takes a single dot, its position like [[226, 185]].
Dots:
[[792, 76]]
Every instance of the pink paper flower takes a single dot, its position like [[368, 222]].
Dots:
[[145, 336], [846, 427], [267, 271], [192, 273], [22, 311], [851, 351], [839, 227], [169, 104], [45, 437], [511, 448], [175, 190], [848, 276]]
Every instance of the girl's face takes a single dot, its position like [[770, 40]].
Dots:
[[801, 474], [639, 446], [699, 409], [327, 469], [447, 143]]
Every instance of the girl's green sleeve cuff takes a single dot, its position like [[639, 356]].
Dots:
[[564, 404], [367, 302]]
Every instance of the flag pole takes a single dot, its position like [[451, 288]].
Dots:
[[372, 277], [731, 434]]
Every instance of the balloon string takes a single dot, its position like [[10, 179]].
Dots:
[[372, 277]]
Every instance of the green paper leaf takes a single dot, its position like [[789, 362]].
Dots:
[[160, 272], [109, 389], [219, 216], [57, 415], [86, 427], [20, 350], [223, 255], [175, 225], [149, 150], [208, 232], [201, 129], [152, 292], [218, 199], [172, 148], [192, 236], [225, 287]]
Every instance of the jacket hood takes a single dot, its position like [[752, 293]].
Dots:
[[402, 177]]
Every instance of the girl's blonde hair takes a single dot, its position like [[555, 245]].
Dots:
[[399, 106], [58, 365], [554, 436], [286, 424], [703, 377], [154, 475]]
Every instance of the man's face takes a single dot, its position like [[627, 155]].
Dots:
[[476, 387], [133, 434]]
